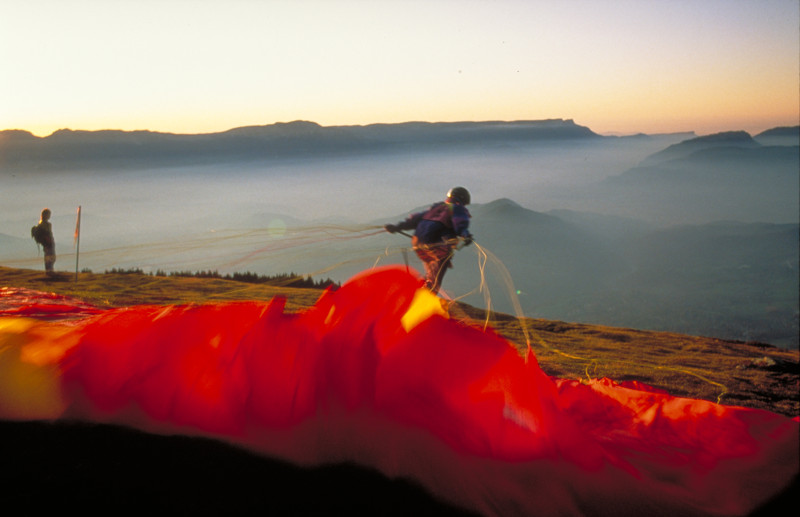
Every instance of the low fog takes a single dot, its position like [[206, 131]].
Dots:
[[156, 203], [231, 217]]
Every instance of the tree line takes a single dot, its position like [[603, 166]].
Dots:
[[283, 279]]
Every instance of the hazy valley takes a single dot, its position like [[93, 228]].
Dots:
[[666, 232]]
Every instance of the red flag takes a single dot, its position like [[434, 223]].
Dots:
[[77, 227]]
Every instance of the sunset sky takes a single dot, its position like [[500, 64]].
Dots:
[[198, 66]]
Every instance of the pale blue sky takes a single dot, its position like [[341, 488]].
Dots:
[[195, 66]]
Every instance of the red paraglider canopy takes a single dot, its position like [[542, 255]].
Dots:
[[376, 374]]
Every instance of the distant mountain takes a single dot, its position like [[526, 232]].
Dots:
[[737, 139], [780, 136], [68, 150], [725, 176], [718, 165], [780, 131]]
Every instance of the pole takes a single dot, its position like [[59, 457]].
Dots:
[[77, 242]]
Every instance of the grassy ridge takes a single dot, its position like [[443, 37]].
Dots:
[[121, 289], [747, 374]]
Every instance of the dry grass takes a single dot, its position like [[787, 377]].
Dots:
[[698, 367], [122, 289], [754, 375]]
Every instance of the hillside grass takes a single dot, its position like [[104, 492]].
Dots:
[[756, 375], [118, 289]]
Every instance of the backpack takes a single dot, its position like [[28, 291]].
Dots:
[[38, 234]]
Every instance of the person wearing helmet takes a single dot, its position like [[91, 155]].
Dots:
[[436, 234]]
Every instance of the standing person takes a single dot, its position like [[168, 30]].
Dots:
[[436, 234], [42, 233]]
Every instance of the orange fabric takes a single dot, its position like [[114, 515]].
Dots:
[[451, 406]]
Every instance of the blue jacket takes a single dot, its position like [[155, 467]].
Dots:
[[440, 222]]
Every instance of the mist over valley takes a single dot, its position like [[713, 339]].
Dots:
[[668, 232]]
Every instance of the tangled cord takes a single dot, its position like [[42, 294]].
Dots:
[[485, 256]]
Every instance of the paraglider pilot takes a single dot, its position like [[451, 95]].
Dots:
[[437, 232]]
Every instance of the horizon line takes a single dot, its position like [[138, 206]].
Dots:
[[407, 122]]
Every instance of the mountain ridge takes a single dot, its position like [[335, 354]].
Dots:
[[685, 148], [728, 175], [67, 149]]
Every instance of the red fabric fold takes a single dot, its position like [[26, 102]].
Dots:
[[452, 406]]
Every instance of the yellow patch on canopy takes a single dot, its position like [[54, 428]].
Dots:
[[30, 373], [424, 305]]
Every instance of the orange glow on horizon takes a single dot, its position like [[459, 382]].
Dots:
[[617, 67]]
